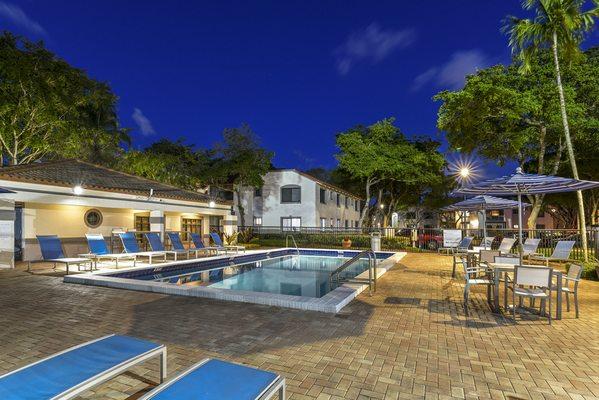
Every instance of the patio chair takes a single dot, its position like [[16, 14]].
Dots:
[[532, 282], [561, 252], [476, 275], [488, 256], [70, 372], [98, 251], [459, 250], [51, 249], [130, 246], [156, 245], [177, 244], [213, 379], [199, 244], [219, 243], [505, 247], [573, 275], [530, 246], [485, 244]]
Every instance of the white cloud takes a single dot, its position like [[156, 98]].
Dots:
[[17, 16], [452, 74], [371, 44], [144, 124]]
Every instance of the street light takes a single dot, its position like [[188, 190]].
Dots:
[[464, 173]]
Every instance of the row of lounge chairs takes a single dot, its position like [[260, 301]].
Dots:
[[51, 249], [71, 372]]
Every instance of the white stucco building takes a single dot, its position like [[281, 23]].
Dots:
[[70, 198], [292, 199]]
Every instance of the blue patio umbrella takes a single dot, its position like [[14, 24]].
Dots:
[[520, 184], [483, 203]]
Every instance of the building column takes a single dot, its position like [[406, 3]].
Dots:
[[229, 224], [157, 222], [7, 234], [206, 229]]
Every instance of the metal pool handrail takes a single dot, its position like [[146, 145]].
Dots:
[[293, 239], [371, 266]]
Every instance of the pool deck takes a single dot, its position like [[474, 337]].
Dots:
[[411, 340]]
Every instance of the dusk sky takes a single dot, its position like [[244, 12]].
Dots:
[[297, 72]]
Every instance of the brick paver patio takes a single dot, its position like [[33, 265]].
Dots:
[[412, 339]]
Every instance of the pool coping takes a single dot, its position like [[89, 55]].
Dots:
[[332, 302]]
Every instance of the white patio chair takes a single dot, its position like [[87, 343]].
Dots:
[[530, 247], [534, 283], [475, 275], [573, 275], [561, 252], [505, 247]]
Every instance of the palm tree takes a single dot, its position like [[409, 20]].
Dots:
[[560, 25]]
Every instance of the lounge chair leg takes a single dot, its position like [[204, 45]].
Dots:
[[163, 365], [576, 303], [567, 302]]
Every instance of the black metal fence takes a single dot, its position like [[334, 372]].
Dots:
[[421, 239]]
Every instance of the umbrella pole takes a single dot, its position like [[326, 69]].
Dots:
[[485, 227], [520, 236]]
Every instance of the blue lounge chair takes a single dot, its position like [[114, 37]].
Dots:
[[156, 244], [130, 246], [220, 380], [52, 252], [177, 244], [219, 243], [199, 244], [98, 251], [69, 373]]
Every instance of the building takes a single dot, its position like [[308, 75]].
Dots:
[[291, 199], [508, 219], [70, 198]]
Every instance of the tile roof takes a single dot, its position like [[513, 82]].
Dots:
[[70, 172]]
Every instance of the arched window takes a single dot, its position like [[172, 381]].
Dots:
[[93, 218], [291, 194]]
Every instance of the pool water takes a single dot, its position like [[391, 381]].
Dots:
[[297, 275]]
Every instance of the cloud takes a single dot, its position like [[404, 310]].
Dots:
[[371, 44], [17, 16], [144, 124], [452, 74]]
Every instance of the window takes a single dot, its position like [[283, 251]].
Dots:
[[190, 225], [323, 196], [332, 223], [258, 221], [346, 224], [142, 223], [338, 200], [291, 194], [338, 223], [323, 222], [357, 222], [357, 205], [331, 195], [258, 192], [540, 226], [93, 218], [291, 223], [346, 202]]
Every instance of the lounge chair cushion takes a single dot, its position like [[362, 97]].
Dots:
[[63, 371], [216, 380]]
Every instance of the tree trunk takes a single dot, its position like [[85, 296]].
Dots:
[[531, 223], [570, 149], [367, 203], [240, 207]]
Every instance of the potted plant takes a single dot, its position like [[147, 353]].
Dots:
[[346, 242]]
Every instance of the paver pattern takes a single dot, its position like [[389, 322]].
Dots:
[[411, 340]]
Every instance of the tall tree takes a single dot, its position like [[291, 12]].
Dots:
[[560, 25], [49, 108], [242, 161], [380, 153]]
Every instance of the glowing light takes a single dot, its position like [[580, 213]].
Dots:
[[464, 170], [78, 190], [382, 206], [212, 204]]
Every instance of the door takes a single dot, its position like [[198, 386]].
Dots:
[[18, 232]]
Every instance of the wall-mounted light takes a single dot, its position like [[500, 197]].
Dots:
[[212, 204], [78, 190]]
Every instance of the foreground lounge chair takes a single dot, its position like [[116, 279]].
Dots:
[[562, 251], [219, 243], [130, 246], [177, 244], [220, 380], [52, 252], [199, 244], [156, 245], [98, 251], [69, 373]]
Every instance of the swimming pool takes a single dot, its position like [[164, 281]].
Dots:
[[296, 278]]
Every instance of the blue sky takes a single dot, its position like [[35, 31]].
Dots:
[[297, 71]]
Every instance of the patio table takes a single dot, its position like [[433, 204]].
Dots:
[[499, 268]]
